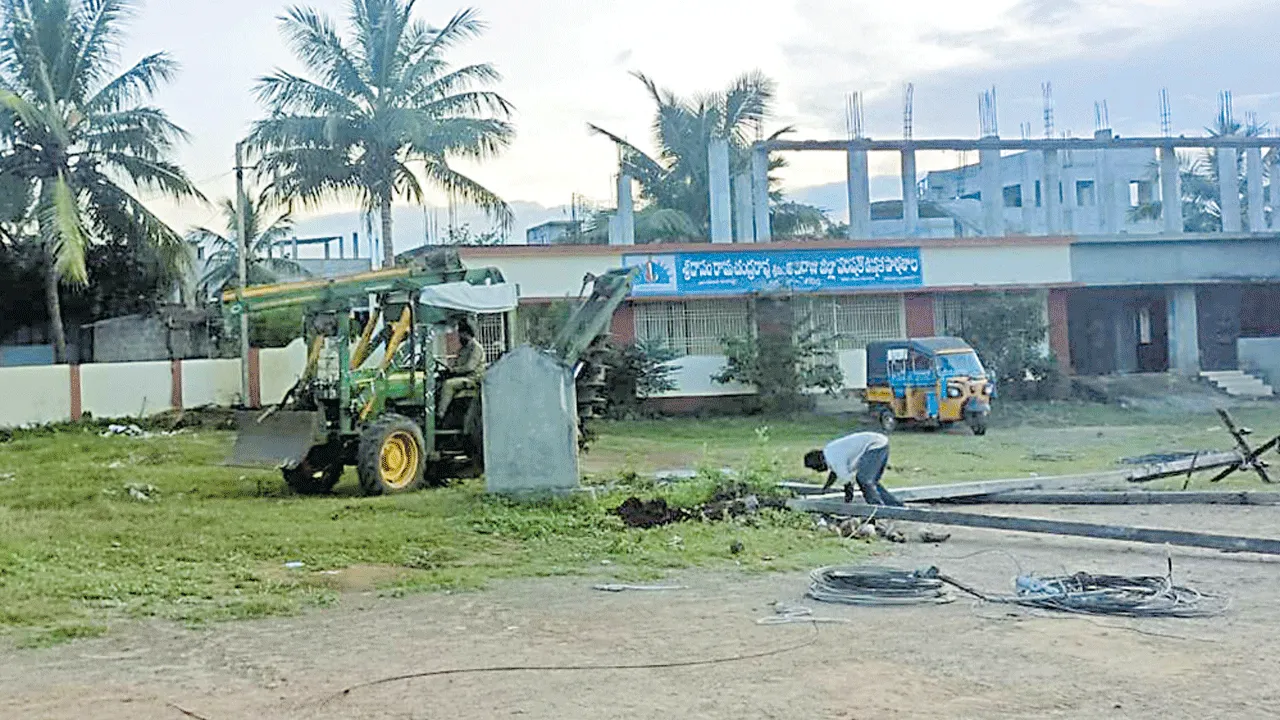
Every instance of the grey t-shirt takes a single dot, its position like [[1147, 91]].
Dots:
[[843, 455]]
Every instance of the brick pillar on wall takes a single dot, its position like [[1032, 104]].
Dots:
[[623, 326], [175, 390], [1059, 338], [77, 397], [920, 320], [255, 378]]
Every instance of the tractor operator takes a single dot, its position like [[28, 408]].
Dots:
[[466, 369], [861, 458]]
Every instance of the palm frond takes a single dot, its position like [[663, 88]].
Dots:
[[65, 234], [464, 188], [315, 41]]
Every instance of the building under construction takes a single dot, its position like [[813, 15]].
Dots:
[[1127, 284]]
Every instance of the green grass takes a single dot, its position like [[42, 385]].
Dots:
[[197, 542]]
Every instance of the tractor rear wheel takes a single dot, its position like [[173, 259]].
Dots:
[[392, 457], [318, 473]]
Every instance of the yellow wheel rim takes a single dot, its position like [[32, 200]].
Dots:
[[399, 459]]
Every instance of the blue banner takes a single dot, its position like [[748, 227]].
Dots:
[[755, 271]]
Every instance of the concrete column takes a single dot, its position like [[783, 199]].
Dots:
[[718, 180], [760, 195], [1052, 177], [1070, 200], [626, 225], [992, 191], [1030, 214], [1184, 330], [1110, 212], [1059, 329], [1274, 174], [1229, 187], [859, 194], [910, 200], [1171, 191], [1257, 201], [743, 213]]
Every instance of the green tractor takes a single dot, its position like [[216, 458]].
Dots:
[[367, 394]]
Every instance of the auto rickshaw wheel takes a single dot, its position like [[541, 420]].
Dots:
[[978, 424], [888, 420]]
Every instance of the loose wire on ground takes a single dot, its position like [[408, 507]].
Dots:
[[868, 585], [1082, 593], [583, 668]]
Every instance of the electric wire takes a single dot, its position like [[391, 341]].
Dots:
[[1080, 593]]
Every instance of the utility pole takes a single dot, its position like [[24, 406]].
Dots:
[[242, 229]]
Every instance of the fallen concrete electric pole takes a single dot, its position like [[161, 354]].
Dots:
[[1140, 497], [1152, 536]]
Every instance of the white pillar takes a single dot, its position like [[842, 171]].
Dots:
[[1029, 212], [1274, 174], [626, 226], [718, 180], [859, 194], [992, 191], [1110, 211], [1257, 202], [1184, 330], [1171, 190], [743, 213], [760, 195], [910, 199], [1229, 189], [1049, 192]]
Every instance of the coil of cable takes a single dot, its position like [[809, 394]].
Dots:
[[869, 585]]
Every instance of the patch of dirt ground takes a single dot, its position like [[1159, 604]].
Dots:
[[960, 660]]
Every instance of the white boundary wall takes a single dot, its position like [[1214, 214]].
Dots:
[[120, 390], [280, 369], [210, 382], [35, 395]]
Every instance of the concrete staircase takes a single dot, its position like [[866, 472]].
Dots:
[[1238, 384]]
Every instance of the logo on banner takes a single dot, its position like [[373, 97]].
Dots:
[[657, 274]]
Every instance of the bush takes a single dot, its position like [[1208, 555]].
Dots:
[[783, 363], [635, 373], [1009, 332]]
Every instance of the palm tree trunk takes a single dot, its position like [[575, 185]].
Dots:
[[53, 305], [388, 246]]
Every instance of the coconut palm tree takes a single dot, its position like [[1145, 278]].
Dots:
[[81, 139], [373, 105], [677, 180], [265, 230]]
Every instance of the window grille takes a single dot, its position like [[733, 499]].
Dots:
[[854, 320], [492, 334], [695, 327]]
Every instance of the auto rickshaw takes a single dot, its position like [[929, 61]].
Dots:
[[929, 382]]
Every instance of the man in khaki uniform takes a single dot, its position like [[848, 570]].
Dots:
[[466, 370]]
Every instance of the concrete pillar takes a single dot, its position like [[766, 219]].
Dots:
[[1257, 201], [1070, 199], [625, 229], [760, 195], [910, 199], [859, 194], [1229, 187], [743, 213], [1051, 203], [1274, 174], [718, 180], [1184, 330], [1171, 191], [992, 191], [1111, 213], [1030, 214]]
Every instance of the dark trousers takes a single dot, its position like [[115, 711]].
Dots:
[[870, 468]]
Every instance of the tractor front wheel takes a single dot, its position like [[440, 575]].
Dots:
[[318, 473], [392, 456]]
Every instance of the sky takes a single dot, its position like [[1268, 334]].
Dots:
[[566, 63]]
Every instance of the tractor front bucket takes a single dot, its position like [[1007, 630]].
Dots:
[[277, 440]]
